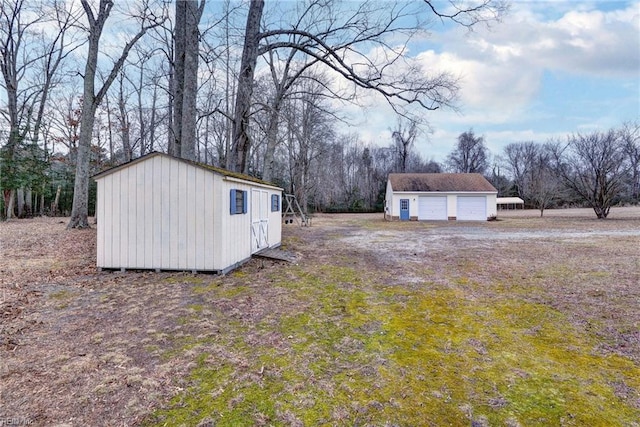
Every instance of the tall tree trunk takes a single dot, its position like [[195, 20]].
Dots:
[[241, 140], [188, 14], [56, 202], [20, 202], [9, 201], [141, 120], [110, 132], [272, 142], [175, 149], [152, 124], [28, 202], [90, 102], [80, 207], [171, 140], [124, 124]]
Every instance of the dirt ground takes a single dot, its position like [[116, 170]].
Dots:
[[80, 347]]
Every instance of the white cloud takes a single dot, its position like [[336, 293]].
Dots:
[[503, 65], [502, 72]]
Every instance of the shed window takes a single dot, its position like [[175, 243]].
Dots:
[[275, 203], [238, 202]]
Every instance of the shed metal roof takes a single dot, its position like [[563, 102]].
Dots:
[[442, 182]]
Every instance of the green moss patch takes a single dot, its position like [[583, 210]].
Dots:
[[347, 349]]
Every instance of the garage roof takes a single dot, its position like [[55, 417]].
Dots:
[[445, 182]]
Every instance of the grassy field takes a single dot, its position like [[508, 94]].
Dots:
[[521, 321]]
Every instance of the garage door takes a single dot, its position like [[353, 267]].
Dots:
[[472, 208], [432, 207]]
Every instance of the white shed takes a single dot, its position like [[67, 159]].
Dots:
[[439, 196], [164, 213]]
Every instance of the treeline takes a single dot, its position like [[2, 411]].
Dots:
[[250, 86], [332, 172], [256, 88]]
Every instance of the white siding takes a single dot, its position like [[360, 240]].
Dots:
[[389, 209], [149, 216], [492, 206], [393, 202], [100, 215], [149, 205], [233, 237], [452, 205], [275, 221]]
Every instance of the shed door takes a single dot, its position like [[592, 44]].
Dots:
[[404, 209], [259, 220], [432, 207], [472, 208]]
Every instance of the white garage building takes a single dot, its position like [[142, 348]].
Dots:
[[164, 213], [439, 196]]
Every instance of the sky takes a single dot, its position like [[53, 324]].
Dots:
[[548, 70]]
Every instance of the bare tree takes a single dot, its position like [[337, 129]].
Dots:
[[92, 99], [250, 53], [593, 167], [629, 135], [308, 131], [33, 44], [340, 39], [283, 82], [470, 154], [124, 124], [543, 186], [404, 137]]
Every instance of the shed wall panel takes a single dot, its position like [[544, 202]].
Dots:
[[233, 242], [159, 230], [275, 221], [180, 213], [113, 223], [116, 222], [173, 223], [210, 216], [198, 207], [189, 220], [100, 216], [149, 213], [128, 204], [137, 227]]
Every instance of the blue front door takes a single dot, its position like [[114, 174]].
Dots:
[[404, 209]]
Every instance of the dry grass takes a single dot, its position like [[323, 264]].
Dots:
[[522, 321]]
